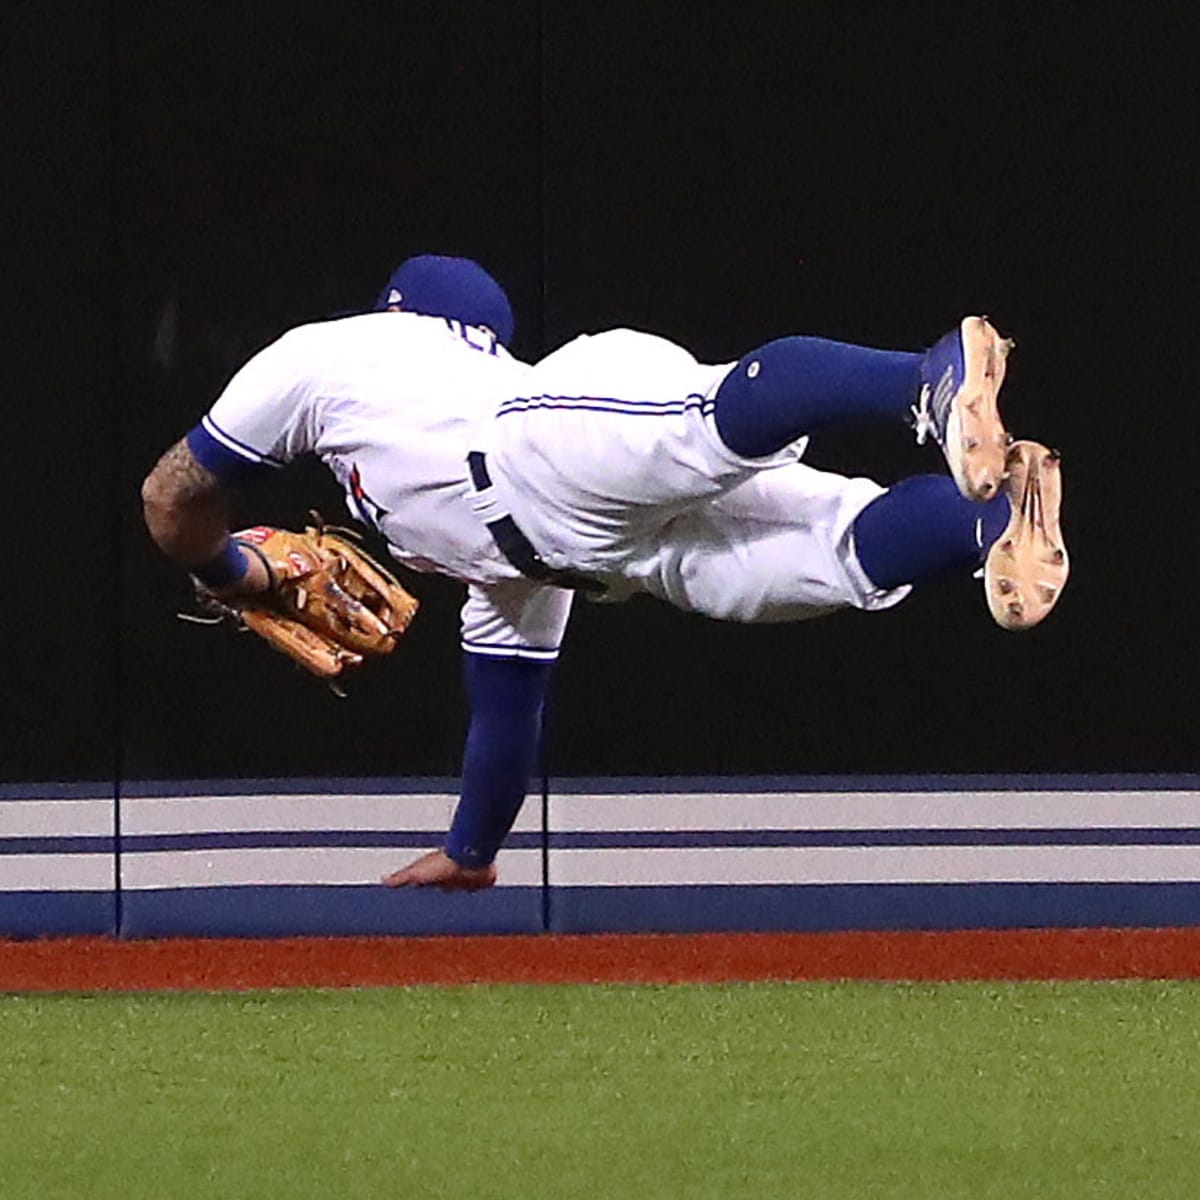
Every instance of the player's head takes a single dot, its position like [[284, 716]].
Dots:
[[438, 285]]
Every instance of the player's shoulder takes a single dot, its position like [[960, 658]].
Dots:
[[405, 332], [362, 327], [420, 353], [311, 338]]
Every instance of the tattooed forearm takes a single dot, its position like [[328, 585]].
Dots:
[[185, 507]]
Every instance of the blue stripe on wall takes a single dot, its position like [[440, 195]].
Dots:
[[834, 907], [58, 845], [282, 839], [419, 839], [95, 790], [56, 914], [624, 784], [327, 911], [692, 839], [667, 784], [417, 785]]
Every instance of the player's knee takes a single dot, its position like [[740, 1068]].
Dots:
[[753, 406]]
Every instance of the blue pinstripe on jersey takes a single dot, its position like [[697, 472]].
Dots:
[[609, 404]]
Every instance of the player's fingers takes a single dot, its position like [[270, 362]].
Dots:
[[439, 871], [418, 873]]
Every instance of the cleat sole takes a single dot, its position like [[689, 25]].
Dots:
[[1027, 566], [976, 440]]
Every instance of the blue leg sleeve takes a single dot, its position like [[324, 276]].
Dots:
[[922, 528], [506, 697], [799, 385]]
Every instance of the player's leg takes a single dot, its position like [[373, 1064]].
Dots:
[[778, 547], [795, 386], [922, 528], [794, 542]]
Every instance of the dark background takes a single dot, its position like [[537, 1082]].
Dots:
[[186, 182]]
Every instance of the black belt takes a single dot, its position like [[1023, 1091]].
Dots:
[[517, 548]]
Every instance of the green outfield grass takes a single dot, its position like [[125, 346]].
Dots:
[[753, 1090]]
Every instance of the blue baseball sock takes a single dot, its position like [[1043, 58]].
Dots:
[[922, 528], [798, 385]]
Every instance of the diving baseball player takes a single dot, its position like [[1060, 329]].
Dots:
[[618, 464]]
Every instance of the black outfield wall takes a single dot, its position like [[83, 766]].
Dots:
[[187, 182]]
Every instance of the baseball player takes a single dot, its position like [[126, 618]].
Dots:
[[619, 464]]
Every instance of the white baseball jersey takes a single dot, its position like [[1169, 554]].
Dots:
[[391, 403]]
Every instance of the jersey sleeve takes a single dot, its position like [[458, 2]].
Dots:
[[507, 698], [265, 417], [511, 635], [516, 619]]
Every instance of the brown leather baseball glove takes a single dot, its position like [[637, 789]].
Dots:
[[330, 607]]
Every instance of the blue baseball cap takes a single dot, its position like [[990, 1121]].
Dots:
[[438, 285]]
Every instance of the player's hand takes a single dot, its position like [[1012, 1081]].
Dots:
[[439, 870]]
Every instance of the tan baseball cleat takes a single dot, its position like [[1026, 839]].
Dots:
[[1027, 566], [961, 376]]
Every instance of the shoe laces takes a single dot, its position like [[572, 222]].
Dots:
[[923, 421]]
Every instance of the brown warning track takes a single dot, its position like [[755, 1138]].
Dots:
[[89, 964]]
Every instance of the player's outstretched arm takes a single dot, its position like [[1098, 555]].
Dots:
[[507, 696], [438, 869]]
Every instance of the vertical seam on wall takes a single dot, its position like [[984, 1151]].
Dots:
[[544, 732], [543, 169], [544, 257], [546, 896], [115, 472]]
